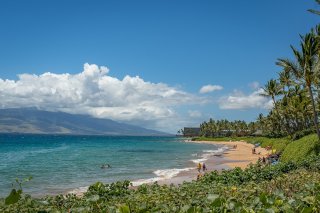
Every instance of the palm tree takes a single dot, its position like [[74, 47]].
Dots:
[[285, 79], [272, 89], [306, 67]]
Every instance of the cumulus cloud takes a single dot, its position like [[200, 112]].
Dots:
[[94, 92], [239, 100], [210, 88]]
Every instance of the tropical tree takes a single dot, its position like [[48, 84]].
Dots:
[[306, 67], [272, 89]]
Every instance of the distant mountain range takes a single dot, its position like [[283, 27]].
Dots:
[[33, 121]]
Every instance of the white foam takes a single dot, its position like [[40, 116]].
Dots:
[[170, 173], [79, 191], [144, 181], [209, 153], [162, 174], [201, 160]]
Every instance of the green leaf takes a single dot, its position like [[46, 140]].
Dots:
[[193, 209], [185, 208], [212, 197], [217, 202], [93, 198], [13, 197], [307, 210], [263, 199], [269, 211], [124, 209]]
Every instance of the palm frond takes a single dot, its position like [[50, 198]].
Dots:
[[314, 11]]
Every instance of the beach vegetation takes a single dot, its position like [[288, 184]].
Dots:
[[299, 149]]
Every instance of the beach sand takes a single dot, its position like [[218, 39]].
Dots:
[[233, 157], [241, 156]]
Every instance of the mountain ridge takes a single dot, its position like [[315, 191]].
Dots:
[[34, 121]]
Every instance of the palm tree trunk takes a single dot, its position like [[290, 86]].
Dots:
[[280, 117], [315, 114]]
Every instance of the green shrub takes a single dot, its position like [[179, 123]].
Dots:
[[300, 149], [302, 133], [278, 144]]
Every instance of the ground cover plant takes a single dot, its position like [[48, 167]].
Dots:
[[299, 149]]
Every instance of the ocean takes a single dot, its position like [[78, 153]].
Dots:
[[60, 164]]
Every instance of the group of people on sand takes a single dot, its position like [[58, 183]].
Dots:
[[204, 169], [270, 160]]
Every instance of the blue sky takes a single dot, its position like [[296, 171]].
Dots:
[[182, 44]]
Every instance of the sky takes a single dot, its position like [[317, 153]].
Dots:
[[160, 64]]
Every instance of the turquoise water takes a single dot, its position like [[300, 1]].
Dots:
[[62, 163]]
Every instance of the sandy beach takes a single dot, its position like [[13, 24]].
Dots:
[[241, 156]]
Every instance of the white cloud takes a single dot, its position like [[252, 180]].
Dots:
[[239, 100], [194, 114], [94, 92], [210, 88]]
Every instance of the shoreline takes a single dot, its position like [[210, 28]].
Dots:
[[241, 156], [224, 158], [231, 158], [176, 176]]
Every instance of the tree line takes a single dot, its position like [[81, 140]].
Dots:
[[225, 128]]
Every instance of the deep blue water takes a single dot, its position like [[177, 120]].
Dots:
[[61, 163]]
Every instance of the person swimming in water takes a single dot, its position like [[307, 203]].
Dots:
[[104, 166]]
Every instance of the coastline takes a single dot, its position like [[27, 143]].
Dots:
[[231, 158], [224, 158], [241, 156]]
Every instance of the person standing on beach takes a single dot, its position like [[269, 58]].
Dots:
[[204, 168], [199, 167]]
